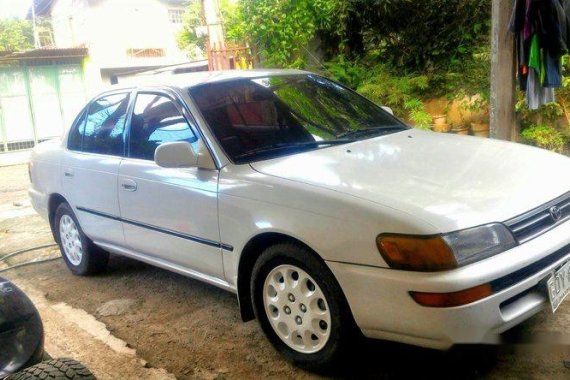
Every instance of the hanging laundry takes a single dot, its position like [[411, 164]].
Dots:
[[541, 30]]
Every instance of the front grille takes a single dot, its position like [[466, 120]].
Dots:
[[530, 270], [536, 222]]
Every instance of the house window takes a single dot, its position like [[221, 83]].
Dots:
[[46, 38], [146, 53], [176, 15]]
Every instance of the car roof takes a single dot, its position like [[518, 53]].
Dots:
[[182, 81]]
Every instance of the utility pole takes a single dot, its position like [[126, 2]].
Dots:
[[34, 26], [217, 55], [503, 70]]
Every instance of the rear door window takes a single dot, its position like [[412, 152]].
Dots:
[[103, 130]]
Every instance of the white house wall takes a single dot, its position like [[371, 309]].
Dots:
[[109, 28]]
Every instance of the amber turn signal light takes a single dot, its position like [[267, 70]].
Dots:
[[425, 254], [460, 298]]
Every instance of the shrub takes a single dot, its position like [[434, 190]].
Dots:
[[282, 30], [392, 89], [419, 36], [349, 73], [544, 136]]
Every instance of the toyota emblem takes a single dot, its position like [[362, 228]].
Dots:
[[555, 213]]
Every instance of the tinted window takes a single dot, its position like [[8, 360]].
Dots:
[[156, 120], [74, 138], [285, 114], [103, 131]]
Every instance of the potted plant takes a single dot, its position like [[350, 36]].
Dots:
[[460, 130], [439, 119], [478, 106]]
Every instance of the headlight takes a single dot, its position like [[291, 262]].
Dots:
[[447, 251], [478, 243]]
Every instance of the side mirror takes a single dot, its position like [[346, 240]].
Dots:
[[178, 154], [181, 154], [388, 109]]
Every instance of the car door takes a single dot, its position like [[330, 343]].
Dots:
[[90, 167], [170, 215]]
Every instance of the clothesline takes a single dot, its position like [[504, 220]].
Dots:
[[541, 30]]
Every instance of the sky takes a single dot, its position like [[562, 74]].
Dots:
[[14, 8]]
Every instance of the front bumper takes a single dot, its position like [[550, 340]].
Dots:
[[383, 309]]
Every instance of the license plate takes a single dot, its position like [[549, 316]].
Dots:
[[559, 286]]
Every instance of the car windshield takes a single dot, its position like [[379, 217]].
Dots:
[[260, 118]]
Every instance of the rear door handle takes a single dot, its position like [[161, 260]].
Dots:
[[68, 173], [129, 185]]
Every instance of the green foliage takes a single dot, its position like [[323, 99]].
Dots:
[[282, 30], [417, 113], [543, 136], [402, 93], [420, 36], [546, 114], [349, 73], [467, 77], [542, 127], [409, 35], [187, 39], [195, 46], [234, 24], [393, 90], [16, 35]]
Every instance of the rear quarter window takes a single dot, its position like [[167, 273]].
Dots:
[[76, 132]]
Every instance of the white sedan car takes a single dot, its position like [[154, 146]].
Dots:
[[325, 214]]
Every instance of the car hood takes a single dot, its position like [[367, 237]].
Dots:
[[449, 181]]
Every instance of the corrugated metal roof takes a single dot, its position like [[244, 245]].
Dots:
[[44, 54]]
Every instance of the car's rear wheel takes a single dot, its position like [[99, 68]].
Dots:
[[79, 253], [300, 306]]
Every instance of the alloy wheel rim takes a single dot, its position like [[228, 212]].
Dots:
[[70, 240], [297, 309]]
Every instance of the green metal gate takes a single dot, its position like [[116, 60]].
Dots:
[[38, 102]]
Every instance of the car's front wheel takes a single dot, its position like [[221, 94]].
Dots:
[[300, 306], [80, 254]]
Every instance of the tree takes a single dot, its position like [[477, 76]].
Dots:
[[283, 30], [194, 45], [16, 35]]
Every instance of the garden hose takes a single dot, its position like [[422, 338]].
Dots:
[[5, 257], [26, 250], [29, 263]]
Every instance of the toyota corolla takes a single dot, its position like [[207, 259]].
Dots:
[[323, 212]]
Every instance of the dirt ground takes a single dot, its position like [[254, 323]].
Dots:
[[175, 326]]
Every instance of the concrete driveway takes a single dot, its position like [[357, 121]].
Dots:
[[136, 321]]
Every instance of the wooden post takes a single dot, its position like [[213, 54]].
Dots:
[[503, 70]]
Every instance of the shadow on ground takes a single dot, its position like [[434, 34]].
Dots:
[[368, 358]]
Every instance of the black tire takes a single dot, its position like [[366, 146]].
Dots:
[[343, 330], [55, 369], [93, 258]]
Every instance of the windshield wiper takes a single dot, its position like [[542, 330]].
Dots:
[[370, 131], [284, 146]]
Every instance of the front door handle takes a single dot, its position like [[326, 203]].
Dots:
[[129, 185], [68, 173]]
